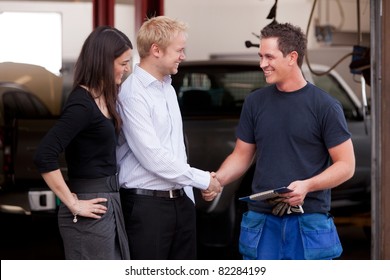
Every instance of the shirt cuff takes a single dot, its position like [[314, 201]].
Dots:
[[201, 179]]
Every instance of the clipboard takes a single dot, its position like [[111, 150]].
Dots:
[[265, 195]]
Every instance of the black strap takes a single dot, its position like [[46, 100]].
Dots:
[[156, 193], [104, 184]]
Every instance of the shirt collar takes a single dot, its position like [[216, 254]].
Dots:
[[147, 79]]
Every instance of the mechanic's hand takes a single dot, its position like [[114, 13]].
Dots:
[[214, 186], [208, 195], [298, 194]]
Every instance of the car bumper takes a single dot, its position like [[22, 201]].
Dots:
[[24, 203]]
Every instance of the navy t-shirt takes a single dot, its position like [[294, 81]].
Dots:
[[87, 137], [292, 132]]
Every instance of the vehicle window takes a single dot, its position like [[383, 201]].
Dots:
[[334, 88], [20, 104], [215, 91]]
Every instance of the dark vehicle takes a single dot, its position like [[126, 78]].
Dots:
[[211, 94], [30, 100]]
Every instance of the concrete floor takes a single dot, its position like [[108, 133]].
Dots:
[[40, 240]]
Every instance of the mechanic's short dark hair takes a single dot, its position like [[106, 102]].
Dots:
[[290, 38]]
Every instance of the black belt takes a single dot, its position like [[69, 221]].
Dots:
[[104, 184], [156, 193]]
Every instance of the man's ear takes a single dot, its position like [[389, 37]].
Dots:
[[293, 57], [155, 50]]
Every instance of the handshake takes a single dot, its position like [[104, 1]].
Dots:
[[214, 188]]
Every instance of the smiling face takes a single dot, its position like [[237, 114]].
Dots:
[[276, 67], [172, 56], [122, 66]]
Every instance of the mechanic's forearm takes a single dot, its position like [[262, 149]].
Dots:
[[333, 176], [342, 168], [232, 169]]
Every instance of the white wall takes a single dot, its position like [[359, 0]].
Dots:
[[216, 26], [77, 21], [222, 26]]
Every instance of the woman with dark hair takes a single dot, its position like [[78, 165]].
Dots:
[[90, 217]]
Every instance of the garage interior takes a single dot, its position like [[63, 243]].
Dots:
[[379, 39]]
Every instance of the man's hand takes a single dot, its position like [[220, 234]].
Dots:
[[208, 195], [214, 188]]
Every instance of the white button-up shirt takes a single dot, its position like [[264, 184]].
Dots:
[[151, 152]]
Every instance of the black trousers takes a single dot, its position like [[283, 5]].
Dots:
[[159, 228]]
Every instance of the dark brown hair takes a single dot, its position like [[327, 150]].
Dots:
[[290, 38], [95, 65]]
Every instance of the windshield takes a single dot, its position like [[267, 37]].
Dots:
[[334, 88], [215, 90]]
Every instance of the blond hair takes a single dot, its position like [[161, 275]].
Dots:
[[158, 30]]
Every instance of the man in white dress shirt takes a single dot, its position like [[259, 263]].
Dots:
[[156, 180]]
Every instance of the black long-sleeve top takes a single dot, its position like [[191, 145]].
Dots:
[[87, 137]]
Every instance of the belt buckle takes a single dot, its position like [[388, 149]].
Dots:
[[171, 194]]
